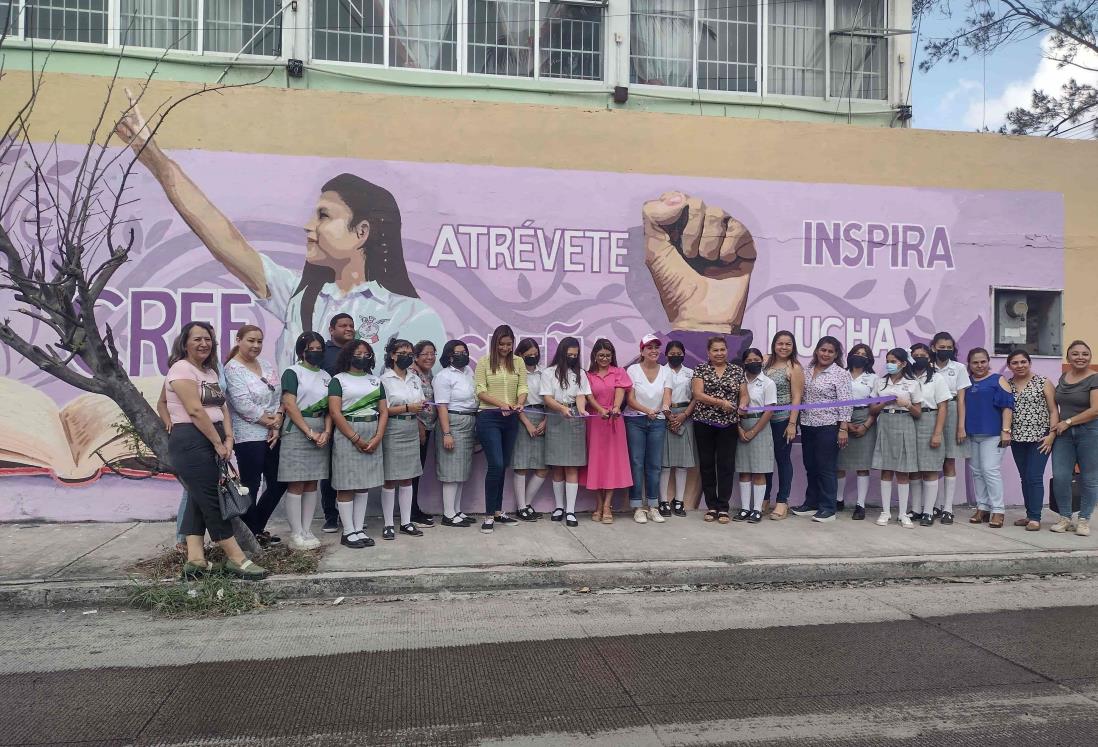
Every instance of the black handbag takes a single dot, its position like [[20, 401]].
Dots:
[[234, 498], [1053, 505]]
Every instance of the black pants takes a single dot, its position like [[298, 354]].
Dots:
[[417, 512], [820, 449], [195, 463], [717, 463], [259, 462]]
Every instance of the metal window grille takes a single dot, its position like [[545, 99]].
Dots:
[[423, 34], [349, 31], [9, 18], [859, 59], [662, 42], [728, 45], [570, 41], [67, 20], [796, 57], [243, 25], [159, 23], [501, 37]]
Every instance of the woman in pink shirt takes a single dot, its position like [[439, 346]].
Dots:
[[607, 450]]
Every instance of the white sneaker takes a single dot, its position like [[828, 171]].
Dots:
[[1062, 525], [640, 516], [310, 542], [654, 515], [905, 522], [1082, 527], [883, 519], [297, 542]]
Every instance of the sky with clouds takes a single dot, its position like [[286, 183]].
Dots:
[[969, 94]]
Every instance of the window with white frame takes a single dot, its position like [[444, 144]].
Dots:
[[245, 26], [859, 50], [67, 20], [501, 37], [571, 40], [9, 18], [796, 56], [423, 34], [662, 42], [728, 45], [349, 31], [161, 24]]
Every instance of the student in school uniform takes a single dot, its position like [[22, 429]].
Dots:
[[528, 467], [357, 407], [679, 450], [649, 404], [755, 452], [456, 400], [895, 453], [930, 433], [400, 446], [564, 391], [858, 455], [956, 377], [304, 459]]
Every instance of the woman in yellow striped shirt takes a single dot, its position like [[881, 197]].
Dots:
[[501, 388]]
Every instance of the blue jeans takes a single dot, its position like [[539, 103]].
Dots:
[[986, 459], [1076, 445], [496, 433], [179, 536], [820, 448], [1031, 467], [645, 438], [783, 460]]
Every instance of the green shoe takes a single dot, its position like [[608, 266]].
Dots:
[[193, 570], [247, 570]]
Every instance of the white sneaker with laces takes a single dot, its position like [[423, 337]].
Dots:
[[884, 518], [1082, 527], [1062, 525], [640, 516], [311, 542], [654, 515], [297, 542], [906, 523]]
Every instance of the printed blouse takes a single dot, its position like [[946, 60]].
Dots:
[[829, 385], [428, 415], [250, 398], [1032, 419], [784, 388], [724, 386]]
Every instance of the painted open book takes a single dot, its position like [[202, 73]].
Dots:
[[74, 443]]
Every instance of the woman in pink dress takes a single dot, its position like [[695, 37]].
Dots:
[[607, 450]]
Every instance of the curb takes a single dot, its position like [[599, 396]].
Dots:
[[39, 593]]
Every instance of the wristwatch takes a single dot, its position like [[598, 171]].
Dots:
[[1068, 421]]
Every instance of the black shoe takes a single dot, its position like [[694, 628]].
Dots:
[[558, 514], [804, 510], [388, 533], [937, 513], [356, 543], [664, 508], [914, 516], [741, 515], [366, 541], [571, 520], [823, 516], [423, 520], [468, 520], [266, 539], [927, 520], [411, 530], [527, 514], [454, 522], [487, 527], [331, 526], [754, 517], [946, 517], [678, 508], [859, 513], [840, 505], [505, 519]]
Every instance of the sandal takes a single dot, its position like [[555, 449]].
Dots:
[[723, 517], [596, 515], [558, 514], [710, 515], [781, 511], [247, 570], [193, 570], [678, 508], [608, 517]]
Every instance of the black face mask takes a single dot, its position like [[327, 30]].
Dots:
[[404, 361], [572, 359], [675, 360], [946, 355], [459, 360], [920, 364], [361, 362], [857, 361], [532, 360], [313, 357], [753, 368]]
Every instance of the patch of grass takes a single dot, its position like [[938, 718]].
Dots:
[[541, 563], [279, 559], [216, 595]]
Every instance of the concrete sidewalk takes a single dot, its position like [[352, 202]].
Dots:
[[52, 564]]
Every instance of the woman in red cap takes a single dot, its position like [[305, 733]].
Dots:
[[607, 453]]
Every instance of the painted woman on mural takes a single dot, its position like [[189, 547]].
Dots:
[[354, 259]]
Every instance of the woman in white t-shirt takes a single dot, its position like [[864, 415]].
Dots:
[[895, 451], [755, 453], [649, 403]]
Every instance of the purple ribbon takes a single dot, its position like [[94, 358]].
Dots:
[[822, 405]]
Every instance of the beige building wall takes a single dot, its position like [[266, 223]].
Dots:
[[403, 128]]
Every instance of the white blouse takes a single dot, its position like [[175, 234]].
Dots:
[[862, 386], [533, 384], [955, 375], [456, 389], [934, 393], [885, 388], [762, 391], [400, 391], [648, 393], [680, 384], [567, 395]]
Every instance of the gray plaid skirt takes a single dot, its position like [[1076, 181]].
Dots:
[[529, 452], [453, 466], [351, 469], [679, 449], [756, 457], [400, 447], [566, 442], [858, 453], [928, 459], [953, 450], [299, 459], [896, 448]]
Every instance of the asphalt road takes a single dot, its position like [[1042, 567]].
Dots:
[[987, 663]]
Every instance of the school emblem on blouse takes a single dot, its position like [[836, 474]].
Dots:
[[370, 329]]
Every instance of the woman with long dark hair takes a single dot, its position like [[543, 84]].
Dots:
[[528, 466], [400, 446], [564, 391], [895, 453], [785, 370], [456, 394], [988, 416], [857, 457], [607, 448]]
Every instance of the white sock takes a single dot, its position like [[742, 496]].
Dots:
[[533, 485], [457, 500], [449, 499], [360, 502], [404, 495], [571, 490], [950, 490], [665, 483], [863, 489], [518, 485], [388, 502], [930, 495], [758, 492], [347, 515], [308, 511], [680, 483], [745, 495], [840, 491], [917, 497], [292, 503], [558, 493], [886, 496], [902, 495]]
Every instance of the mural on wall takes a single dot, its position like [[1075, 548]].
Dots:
[[438, 251]]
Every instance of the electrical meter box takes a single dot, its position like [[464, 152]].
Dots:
[[1028, 319]]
